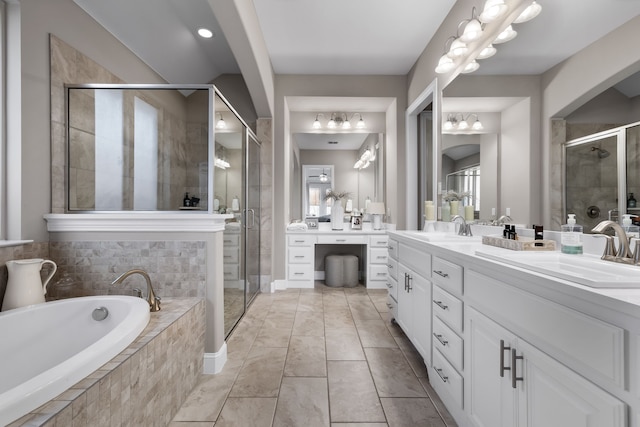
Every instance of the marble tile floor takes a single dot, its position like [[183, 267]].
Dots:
[[317, 357]]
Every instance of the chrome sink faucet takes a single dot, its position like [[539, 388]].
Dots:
[[465, 229], [502, 220], [623, 253], [154, 301]]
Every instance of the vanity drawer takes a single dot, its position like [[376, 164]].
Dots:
[[416, 259], [342, 240], [392, 268], [446, 378], [378, 256], [301, 240], [448, 308], [447, 274], [300, 255], [231, 240], [392, 285], [300, 272], [392, 247], [231, 255], [379, 241], [231, 271], [448, 342], [378, 272]]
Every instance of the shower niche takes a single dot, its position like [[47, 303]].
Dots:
[[601, 171]]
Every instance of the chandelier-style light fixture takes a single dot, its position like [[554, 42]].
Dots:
[[338, 121], [457, 47], [454, 125]]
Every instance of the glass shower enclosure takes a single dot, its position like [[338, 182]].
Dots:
[[602, 175], [149, 147]]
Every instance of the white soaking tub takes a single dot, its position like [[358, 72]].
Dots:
[[47, 348]]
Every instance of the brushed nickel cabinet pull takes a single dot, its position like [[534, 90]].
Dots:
[[440, 304], [514, 376], [502, 350], [441, 273], [439, 338], [442, 377]]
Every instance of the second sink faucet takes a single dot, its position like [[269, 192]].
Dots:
[[465, 229], [154, 301], [624, 251]]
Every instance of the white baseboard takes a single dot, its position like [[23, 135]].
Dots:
[[214, 362], [279, 285]]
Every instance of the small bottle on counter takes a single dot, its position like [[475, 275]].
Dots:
[[186, 202], [571, 237]]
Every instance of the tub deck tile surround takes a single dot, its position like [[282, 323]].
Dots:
[[145, 384]]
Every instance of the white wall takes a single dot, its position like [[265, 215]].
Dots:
[[611, 106], [516, 168], [38, 20]]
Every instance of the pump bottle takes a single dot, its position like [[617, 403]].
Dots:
[[571, 237]]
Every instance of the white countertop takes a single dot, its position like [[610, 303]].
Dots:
[[622, 300]]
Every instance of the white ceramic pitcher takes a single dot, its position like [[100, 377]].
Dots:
[[25, 285]]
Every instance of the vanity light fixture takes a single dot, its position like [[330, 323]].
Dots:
[[220, 163], [339, 120], [221, 124], [365, 159], [452, 124], [457, 52]]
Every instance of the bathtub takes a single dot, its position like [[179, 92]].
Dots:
[[47, 348]]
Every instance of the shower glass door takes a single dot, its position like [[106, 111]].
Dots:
[[252, 222], [591, 179]]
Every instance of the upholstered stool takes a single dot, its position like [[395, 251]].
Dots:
[[341, 270]]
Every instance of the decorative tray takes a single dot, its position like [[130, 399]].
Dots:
[[522, 244]]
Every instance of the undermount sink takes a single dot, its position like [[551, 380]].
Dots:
[[585, 269]]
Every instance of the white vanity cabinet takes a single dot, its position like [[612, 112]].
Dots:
[[300, 260], [378, 256], [413, 289], [510, 382]]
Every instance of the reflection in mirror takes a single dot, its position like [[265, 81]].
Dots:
[[137, 149], [365, 183], [229, 136], [318, 180]]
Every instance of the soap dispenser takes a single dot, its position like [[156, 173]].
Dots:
[[570, 239], [628, 227]]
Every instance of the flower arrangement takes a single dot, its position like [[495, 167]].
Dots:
[[336, 195], [452, 196]]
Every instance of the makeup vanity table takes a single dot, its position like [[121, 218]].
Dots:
[[304, 246]]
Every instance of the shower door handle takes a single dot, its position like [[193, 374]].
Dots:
[[246, 220], [253, 218]]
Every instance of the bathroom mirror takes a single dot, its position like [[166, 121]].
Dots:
[[137, 147], [362, 183], [229, 138]]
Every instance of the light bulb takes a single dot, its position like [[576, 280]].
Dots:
[[445, 64], [493, 9], [360, 124], [463, 125], [487, 52], [458, 48], [346, 124], [316, 123], [448, 125], [529, 13], [472, 31], [471, 67], [205, 33], [477, 125], [331, 124], [221, 124], [508, 34]]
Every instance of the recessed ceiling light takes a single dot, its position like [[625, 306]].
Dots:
[[205, 33]]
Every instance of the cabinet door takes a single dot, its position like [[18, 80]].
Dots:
[[552, 395], [489, 397], [420, 294], [405, 305]]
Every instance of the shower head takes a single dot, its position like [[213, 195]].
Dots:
[[601, 153]]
